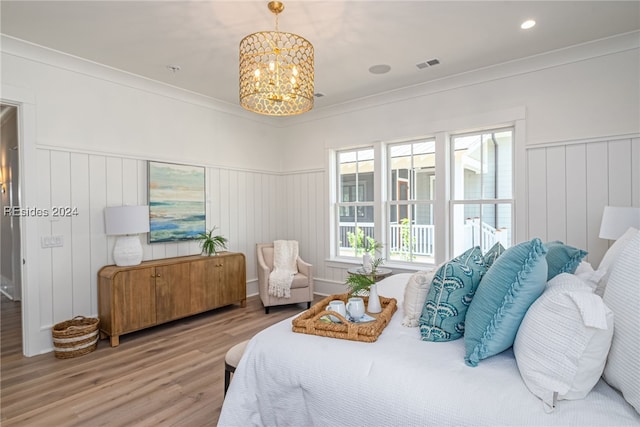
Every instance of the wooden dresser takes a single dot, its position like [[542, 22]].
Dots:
[[154, 292]]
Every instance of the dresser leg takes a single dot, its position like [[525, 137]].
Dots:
[[243, 303], [115, 340]]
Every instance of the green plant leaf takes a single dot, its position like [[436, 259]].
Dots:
[[210, 244]]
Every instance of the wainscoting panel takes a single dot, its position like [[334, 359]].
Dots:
[[246, 206], [570, 184], [304, 196]]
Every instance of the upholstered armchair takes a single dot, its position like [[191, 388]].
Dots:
[[301, 287]]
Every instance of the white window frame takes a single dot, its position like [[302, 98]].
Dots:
[[442, 207], [481, 202]]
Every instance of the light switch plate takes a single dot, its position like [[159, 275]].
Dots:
[[52, 241]]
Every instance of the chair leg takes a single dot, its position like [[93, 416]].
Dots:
[[227, 379]]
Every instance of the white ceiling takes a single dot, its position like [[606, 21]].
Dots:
[[202, 37]]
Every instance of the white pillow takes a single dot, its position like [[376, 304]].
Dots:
[[610, 257], [415, 294], [622, 295], [588, 275], [563, 341]]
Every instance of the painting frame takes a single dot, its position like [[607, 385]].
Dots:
[[176, 194]]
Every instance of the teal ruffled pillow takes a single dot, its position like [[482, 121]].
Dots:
[[452, 289], [562, 258], [514, 281]]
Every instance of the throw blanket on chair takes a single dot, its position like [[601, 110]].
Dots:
[[285, 255]]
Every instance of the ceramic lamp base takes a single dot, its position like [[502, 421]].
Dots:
[[127, 251]]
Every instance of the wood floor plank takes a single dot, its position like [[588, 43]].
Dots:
[[171, 375]]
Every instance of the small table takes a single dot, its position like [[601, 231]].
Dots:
[[381, 273]]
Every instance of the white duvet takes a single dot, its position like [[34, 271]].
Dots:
[[291, 379]]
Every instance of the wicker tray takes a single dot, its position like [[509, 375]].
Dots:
[[309, 322]]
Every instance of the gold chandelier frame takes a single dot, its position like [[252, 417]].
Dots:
[[276, 71]]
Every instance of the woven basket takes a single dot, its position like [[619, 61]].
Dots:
[[309, 321], [75, 337]]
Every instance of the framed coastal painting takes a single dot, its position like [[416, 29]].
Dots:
[[176, 202]]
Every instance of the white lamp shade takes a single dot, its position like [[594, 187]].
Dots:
[[617, 220], [121, 220]]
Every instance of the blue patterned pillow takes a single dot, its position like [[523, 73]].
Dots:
[[514, 281], [450, 294], [562, 258], [492, 254]]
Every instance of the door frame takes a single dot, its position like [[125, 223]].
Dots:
[[36, 338]]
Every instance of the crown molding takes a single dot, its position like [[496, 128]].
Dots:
[[547, 60], [573, 54]]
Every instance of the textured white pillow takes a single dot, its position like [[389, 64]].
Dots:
[[622, 295], [588, 275], [563, 341], [610, 257], [415, 294]]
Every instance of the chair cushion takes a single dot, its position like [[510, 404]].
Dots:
[[299, 281], [234, 354]]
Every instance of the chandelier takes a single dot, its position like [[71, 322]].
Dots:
[[276, 71]]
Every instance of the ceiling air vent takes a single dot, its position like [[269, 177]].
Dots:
[[429, 63]]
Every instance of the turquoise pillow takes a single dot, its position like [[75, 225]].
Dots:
[[562, 258], [492, 254], [449, 296], [514, 281]]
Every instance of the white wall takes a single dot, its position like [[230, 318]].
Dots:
[[569, 184], [92, 129], [587, 92], [88, 132]]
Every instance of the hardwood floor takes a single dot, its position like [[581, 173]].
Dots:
[[172, 374]]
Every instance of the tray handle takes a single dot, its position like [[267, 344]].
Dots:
[[352, 328]]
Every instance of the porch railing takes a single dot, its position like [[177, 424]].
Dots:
[[422, 236]]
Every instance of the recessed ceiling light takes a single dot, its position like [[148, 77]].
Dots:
[[529, 23], [379, 69]]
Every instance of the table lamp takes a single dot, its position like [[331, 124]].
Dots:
[[617, 220], [127, 222]]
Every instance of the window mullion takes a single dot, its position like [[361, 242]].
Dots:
[[441, 198]]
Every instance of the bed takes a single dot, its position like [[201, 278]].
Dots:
[[293, 379]]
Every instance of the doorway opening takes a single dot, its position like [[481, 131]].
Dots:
[[10, 244]]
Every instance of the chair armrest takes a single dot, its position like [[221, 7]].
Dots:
[[263, 275], [304, 267]]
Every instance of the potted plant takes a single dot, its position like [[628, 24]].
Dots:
[[361, 283], [210, 244]]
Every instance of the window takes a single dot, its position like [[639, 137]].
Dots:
[[356, 192], [410, 227], [482, 190], [422, 208]]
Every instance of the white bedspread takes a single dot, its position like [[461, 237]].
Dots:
[[292, 379]]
